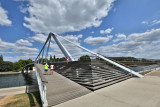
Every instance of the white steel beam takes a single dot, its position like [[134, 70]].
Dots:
[[106, 59], [63, 49]]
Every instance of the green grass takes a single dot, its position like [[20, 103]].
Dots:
[[22, 100]]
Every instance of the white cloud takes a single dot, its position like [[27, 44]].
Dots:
[[39, 38], [16, 58], [107, 31], [155, 22], [16, 48], [152, 35], [25, 50], [119, 37], [136, 45], [151, 23], [22, 42], [144, 22], [65, 15], [5, 45], [4, 21], [97, 40]]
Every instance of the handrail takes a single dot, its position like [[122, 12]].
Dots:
[[41, 75], [42, 86]]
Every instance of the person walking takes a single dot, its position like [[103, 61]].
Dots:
[[46, 68], [51, 68], [67, 59]]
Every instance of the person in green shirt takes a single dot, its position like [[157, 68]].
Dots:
[[46, 68]]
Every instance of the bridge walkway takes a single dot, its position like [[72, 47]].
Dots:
[[60, 89]]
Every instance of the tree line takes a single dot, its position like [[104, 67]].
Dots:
[[52, 59], [16, 66], [13, 66]]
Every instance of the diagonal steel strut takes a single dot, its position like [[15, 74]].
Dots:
[[106, 59], [63, 49]]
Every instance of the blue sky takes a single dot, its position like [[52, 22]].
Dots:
[[108, 27]]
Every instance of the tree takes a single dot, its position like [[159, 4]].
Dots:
[[9, 66], [54, 58], [51, 59], [1, 62], [6, 66], [85, 57], [62, 59], [1, 59], [16, 66]]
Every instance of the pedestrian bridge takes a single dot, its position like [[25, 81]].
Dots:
[[57, 89], [76, 78]]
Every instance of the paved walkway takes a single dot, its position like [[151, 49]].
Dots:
[[135, 92], [17, 90]]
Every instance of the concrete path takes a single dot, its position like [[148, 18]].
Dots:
[[13, 90], [17, 90], [135, 92], [4, 73]]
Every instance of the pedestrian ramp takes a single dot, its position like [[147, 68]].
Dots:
[[60, 89]]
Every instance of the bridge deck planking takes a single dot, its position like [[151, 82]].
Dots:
[[60, 89]]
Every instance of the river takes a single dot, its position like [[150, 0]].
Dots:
[[15, 80]]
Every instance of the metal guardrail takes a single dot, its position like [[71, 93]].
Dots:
[[42, 86]]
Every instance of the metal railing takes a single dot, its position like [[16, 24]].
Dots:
[[42, 86], [147, 69]]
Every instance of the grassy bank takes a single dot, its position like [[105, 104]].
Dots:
[[22, 100]]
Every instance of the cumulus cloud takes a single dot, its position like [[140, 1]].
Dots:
[[136, 45], [22, 42], [107, 31], [119, 37], [39, 38], [16, 58], [97, 40], [5, 45], [149, 36], [4, 21], [16, 48], [65, 15]]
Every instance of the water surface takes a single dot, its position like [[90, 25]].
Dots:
[[15, 80]]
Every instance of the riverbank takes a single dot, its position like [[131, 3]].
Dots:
[[10, 72], [18, 90], [22, 100]]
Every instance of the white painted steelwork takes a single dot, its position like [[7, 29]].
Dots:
[[100, 56], [63, 49]]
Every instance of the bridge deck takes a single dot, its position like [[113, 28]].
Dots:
[[61, 89]]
